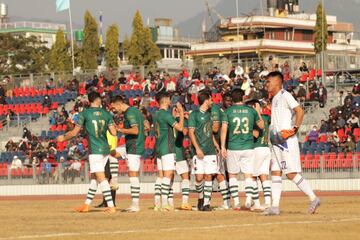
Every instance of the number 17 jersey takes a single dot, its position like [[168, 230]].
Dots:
[[241, 120]]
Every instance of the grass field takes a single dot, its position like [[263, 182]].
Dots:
[[53, 218]]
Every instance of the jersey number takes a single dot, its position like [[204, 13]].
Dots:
[[96, 127], [244, 123]]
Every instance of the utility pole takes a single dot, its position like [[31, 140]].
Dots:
[[237, 27]]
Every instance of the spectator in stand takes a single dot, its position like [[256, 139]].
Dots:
[[301, 94], [170, 86], [232, 73], [47, 101], [264, 73], [322, 95], [122, 78], [356, 90], [10, 146], [239, 71], [346, 110], [16, 163], [60, 118], [340, 122], [349, 97], [196, 74], [2, 94], [324, 128], [72, 171], [145, 100], [26, 134], [50, 84], [74, 85], [304, 68], [46, 172], [341, 99], [354, 121], [313, 135]]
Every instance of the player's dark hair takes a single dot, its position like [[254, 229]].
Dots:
[[237, 95], [203, 96], [161, 95], [226, 95], [117, 99], [93, 96], [276, 74]]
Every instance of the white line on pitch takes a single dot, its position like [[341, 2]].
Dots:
[[55, 235]]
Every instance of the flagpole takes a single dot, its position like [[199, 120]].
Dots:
[[72, 39]]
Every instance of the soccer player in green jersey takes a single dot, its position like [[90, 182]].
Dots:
[[216, 115], [135, 141], [165, 124], [182, 164], [204, 143], [96, 122], [237, 144]]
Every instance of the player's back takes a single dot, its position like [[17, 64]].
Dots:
[[96, 122], [241, 120], [134, 143], [165, 135]]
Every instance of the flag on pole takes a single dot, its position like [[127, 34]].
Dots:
[[62, 5]]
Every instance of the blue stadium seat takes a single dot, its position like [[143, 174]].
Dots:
[[305, 148], [358, 147]]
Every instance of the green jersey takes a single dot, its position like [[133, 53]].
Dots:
[[216, 116], [179, 140], [241, 120], [263, 139], [202, 123], [165, 135], [134, 143], [96, 122]]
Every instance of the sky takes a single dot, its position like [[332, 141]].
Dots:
[[114, 11]]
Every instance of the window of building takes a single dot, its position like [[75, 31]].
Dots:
[[288, 35], [176, 53], [307, 35]]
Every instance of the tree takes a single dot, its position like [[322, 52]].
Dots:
[[90, 49], [22, 54], [60, 59], [126, 45], [151, 51], [142, 51], [112, 46], [321, 30]]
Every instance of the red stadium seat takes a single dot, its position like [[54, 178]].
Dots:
[[357, 134]]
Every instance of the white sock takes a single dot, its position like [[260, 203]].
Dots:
[[255, 194], [171, 195], [225, 193], [105, 188], [304, 186], [158, 192], [199, 186], [207, 192], [248, 190], [266, 185], [91, 192], [276, 190], [114, 167], [135, 190], [165, 190], [234, 190], [185, 190]]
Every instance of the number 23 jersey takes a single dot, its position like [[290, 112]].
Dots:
[[96, 122], [241, 120]]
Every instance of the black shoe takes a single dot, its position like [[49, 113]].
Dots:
[[200, 204], [113, 195], [102, 205], [207, 208]]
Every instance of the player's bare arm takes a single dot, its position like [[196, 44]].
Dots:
[[180, 125], [112, 130], [69, 135], [199, 152], [223, 135], [260, 123], [299, 116], [216, 127], [218, 150]]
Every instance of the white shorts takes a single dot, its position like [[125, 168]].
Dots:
[[221, 165], [97, 162], [240, 161], [262, 161], [122, 151], [208, 165], [286, 158], [166, 162], [182, 167], [133, 162]]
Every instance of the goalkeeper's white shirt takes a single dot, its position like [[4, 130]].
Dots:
[[282, 111]]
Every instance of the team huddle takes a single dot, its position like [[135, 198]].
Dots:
[[256, 139]]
